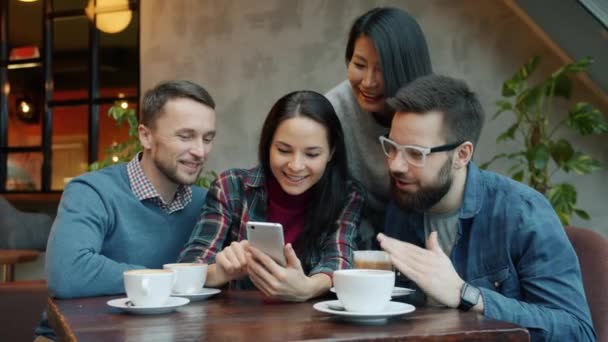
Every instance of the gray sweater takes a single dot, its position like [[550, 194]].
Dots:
[[367, 162]]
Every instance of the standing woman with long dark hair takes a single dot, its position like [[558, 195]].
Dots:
[[386, 50], [303, 183]]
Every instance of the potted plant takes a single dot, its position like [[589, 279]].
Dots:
[[125, 151], [537, 124]]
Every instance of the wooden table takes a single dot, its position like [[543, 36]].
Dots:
[[10, 257], [246, 315]]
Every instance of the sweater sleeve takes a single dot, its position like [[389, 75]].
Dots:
[[214, 222], [75, 266]]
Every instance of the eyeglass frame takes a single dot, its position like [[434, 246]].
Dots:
[[425, 151]]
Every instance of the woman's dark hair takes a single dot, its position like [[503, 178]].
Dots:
[[400, 43], [330, 192]]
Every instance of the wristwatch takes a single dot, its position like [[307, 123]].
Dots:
[[469, 296]]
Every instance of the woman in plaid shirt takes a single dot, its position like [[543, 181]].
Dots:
[[303, 183]]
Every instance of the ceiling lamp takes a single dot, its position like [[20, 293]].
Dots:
[[28, 0], [111, 16]]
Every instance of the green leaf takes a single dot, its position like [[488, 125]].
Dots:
[[518, 176], [206, 179], [562, 86], [564, 217], [586, 119], [510, 88], [514, 85], [503, 106], [514, 168], [578, 66], [582, 214], [529, 99], [528, 68], [563, 197], [114, 112], [581, 164], [561, 151], [508, 134], [539, 156]]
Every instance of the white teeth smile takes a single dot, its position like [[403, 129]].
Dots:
[[370, 96], [295, 179]]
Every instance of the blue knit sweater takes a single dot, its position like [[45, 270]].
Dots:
[[102, 229]]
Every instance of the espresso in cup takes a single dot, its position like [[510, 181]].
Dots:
[[364, 290], [377, 260], [189, 277], [148, 288]]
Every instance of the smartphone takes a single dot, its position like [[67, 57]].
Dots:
[[268, 237]]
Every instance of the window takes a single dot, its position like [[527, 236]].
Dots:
[[61, 68]]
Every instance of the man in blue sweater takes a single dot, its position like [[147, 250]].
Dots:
[[139, 214], [472, 239]]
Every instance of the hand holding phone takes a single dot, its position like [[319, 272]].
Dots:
[[267, 237]]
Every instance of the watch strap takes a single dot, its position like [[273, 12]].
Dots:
[[469, 297]]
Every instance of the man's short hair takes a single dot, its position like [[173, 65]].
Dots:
[[462, 112], [155, 99]]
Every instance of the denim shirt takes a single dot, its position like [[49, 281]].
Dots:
[[512, 246]]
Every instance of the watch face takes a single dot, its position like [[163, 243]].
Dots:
[[469, 296]]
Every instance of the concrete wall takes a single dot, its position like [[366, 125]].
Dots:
[[249, 53]]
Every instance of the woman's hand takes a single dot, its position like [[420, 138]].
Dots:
[[230, 263], [286, 283]]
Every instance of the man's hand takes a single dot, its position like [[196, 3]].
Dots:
[[286, 283], [430, 268]]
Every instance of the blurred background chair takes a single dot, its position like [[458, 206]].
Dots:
[[592, 251], [10, 257], [23, 230], [21, 305]]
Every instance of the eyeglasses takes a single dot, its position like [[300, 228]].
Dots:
[[415, 155]]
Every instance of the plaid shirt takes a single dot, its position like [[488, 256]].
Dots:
[[144, 190], [238, 196]]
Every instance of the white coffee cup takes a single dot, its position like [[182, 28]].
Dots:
[[149, 287], [189, 277], [363, 290]]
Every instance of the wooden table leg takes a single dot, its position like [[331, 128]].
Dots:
[[8, 273], [58, 323]]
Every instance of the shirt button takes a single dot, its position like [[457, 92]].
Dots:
[[496, 284]]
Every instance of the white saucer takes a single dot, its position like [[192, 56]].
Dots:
[[202, 294], [397, 291], [335, 307], [172, 304]]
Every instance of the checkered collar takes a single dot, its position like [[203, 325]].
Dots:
[[144, 190]]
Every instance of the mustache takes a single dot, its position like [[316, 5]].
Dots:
[[401, 176]]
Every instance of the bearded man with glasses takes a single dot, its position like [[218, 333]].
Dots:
[[472, 239]]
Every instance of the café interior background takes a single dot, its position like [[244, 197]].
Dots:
[[248, 54]]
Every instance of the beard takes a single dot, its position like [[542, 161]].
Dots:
[[427, 196], [171, 173]]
